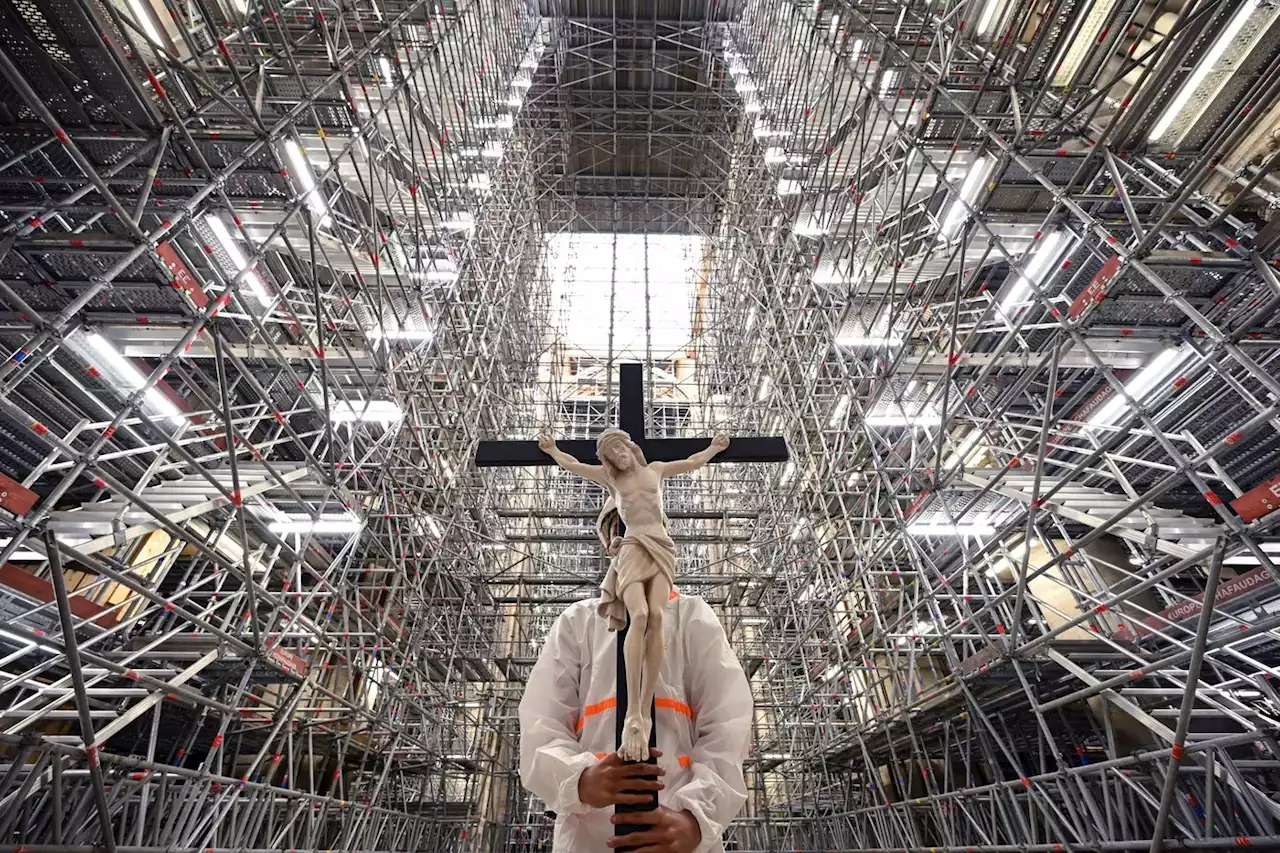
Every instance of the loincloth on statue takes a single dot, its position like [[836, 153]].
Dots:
[[642, 556]]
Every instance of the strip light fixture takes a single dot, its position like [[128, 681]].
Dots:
[[1206, 65], [1044, 257], [300, 168], [897, 416], [935, 528], [988, 18], [462, 221], [1140, 384], [958, 211], [440, 270], [24, 554], [878, 335], [244, 272], [27, 645], [837, 414], [344, 523], [145, 16], [370, 411], [120, 372], [399, 334]]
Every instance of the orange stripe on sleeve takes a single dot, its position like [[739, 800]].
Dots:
[[597, 708], [674, 705], [685, 760], [675, 593]]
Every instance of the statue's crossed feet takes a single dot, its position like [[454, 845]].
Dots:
[[635, 740]]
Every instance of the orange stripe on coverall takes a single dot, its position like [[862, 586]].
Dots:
[[612, 702], [674, 705], [598, 708]]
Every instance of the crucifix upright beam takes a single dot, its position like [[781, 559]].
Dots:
[[514, 454]]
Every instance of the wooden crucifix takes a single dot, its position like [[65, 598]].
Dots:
[[631, 405]]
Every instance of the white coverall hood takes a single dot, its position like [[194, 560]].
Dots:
[[704, 713]]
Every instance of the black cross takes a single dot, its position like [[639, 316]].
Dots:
[[511, 454], [508, 454]]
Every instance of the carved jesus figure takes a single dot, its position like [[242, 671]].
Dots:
[[642, 573]]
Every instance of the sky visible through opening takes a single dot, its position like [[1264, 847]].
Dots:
[[590, 272]]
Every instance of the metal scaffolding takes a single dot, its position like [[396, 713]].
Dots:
[[1003, 272]]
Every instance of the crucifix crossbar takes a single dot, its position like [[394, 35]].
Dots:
[[510, 454], [514, 454]]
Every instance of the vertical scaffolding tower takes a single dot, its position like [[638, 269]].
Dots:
[[1009, 270], [1003, 272]]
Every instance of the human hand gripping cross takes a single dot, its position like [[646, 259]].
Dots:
[[665, 831]]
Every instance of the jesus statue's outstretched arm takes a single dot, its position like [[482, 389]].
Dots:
[[696, 461], [594, 473]]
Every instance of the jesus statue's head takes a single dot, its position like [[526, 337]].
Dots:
[[618, 453]]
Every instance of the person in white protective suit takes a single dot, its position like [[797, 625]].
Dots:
[[703, 718]]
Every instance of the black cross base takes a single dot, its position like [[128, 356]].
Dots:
[[514, 454], [622, 829]]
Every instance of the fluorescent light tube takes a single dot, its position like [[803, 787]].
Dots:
[[929, 528], [24, 555], [899, 418], [789, 186], [373, 411], [842, 406], [788, 473], [384, 67], [1045, 256], [324, 524], [243, 271], [300, 168], [868, 341], [964, 452], [1159, 369], [25, 643], [129, 378], [437, 269], [809, 227], [888, 80], [463, 221], [958, 213], [1081, 45], [396, 334], [988, 16], [920, 628], [766, 388], [505, 121], [145, 17], [1207, 63], [761, 130]]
